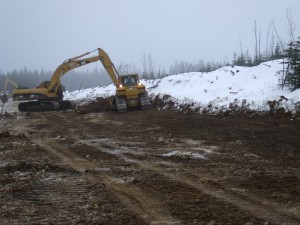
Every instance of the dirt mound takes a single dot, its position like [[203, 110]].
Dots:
[[101, 104], [167, 102]]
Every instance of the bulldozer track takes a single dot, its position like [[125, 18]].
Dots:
[[145, 101], [121, 105]]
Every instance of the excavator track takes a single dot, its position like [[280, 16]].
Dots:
[[121, 105], [145, 101], [40, 106]]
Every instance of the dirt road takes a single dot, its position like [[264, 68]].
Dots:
[[150, 167]]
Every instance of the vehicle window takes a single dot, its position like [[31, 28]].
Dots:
[[127, 81]]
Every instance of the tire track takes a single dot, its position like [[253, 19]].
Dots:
[[133, 196], [140, 203], [245, 202]]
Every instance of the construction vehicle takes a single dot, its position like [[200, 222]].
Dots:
[[48, 95], [9, 81]]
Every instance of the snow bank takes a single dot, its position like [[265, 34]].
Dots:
[[254, 88]]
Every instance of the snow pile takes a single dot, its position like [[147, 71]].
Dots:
[[9, 108], [229, 88], [90, 94]]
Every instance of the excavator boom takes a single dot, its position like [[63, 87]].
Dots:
[[78, 61], [9, 81]]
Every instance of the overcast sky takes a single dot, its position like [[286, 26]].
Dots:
[[43, 33]]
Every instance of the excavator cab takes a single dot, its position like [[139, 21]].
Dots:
[[44, 84], [61, 88]]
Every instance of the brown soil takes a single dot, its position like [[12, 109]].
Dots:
[[149, 167]]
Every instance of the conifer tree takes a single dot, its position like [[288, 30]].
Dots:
[[277, 53], [293, 75]]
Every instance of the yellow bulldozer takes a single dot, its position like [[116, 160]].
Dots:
[[48, 96]]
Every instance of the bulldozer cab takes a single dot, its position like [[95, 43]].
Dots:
[[129, 80]]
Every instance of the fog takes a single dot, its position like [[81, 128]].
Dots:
[[41, 34]]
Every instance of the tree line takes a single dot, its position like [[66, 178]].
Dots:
[[80, 79], [73, 80]]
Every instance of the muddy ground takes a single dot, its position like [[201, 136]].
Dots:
[[149, 167]]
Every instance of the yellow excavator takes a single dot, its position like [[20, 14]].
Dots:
[[48, 96]]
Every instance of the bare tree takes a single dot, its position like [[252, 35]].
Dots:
[[144, 64], [257, 56], [151, 66], [259, 43], [267, 42], [256, 41], [272, 42], [148, 66], [283, 79], [123, 68], [291, 24], [278, 37], [241, 47]]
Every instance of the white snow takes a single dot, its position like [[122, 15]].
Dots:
[[184, 154], [90, 94], [252, 87]]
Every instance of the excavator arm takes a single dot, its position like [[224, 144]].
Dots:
[[109, 66], [79, 61], [7, 81]]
